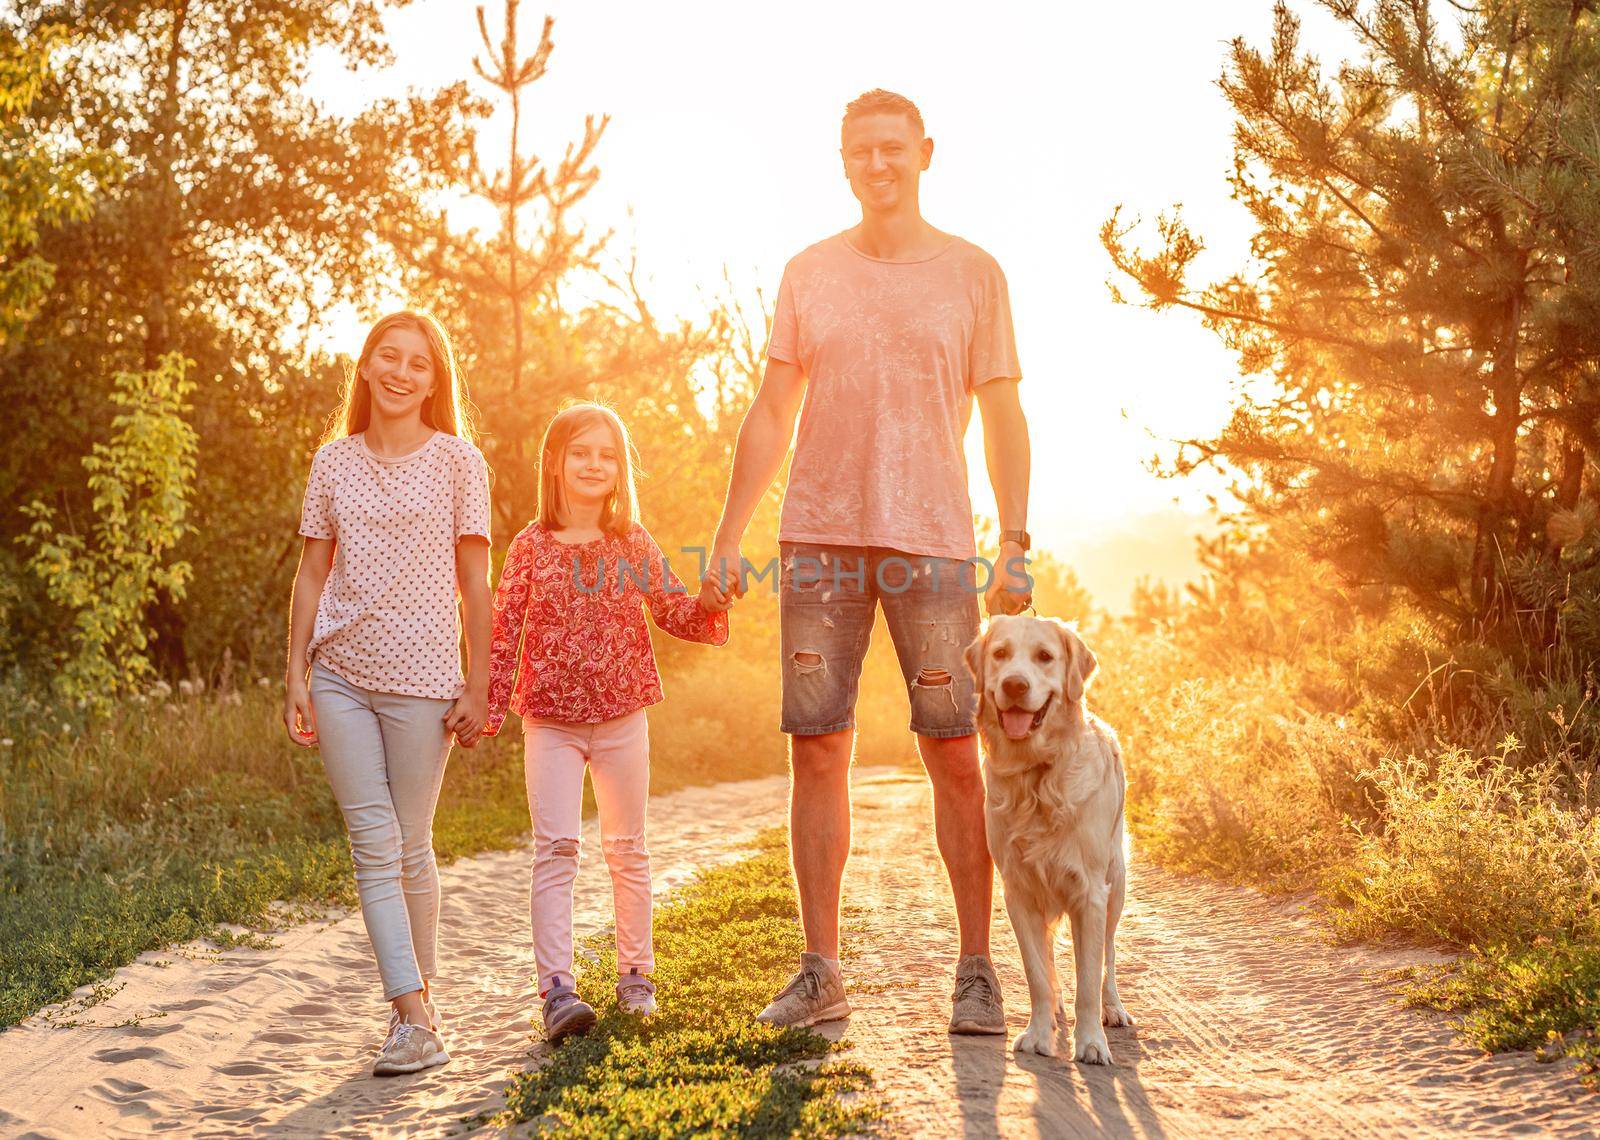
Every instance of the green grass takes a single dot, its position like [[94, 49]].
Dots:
[[176, 817], [1544, 996], [162, 826], [1284, 770], [702, 1066]]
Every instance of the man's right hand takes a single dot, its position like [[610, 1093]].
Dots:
[[723, 583]]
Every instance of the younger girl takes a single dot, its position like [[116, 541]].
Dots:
[[396, 519], [572, 656]]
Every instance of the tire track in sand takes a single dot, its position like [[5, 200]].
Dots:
[[1249, 1022]]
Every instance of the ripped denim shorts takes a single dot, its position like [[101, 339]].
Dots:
[[828, 598]]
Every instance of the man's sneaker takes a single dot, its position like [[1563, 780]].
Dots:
[[565, 1013], [976, 1002], [408, 1049], [814, 995], [636, 994]]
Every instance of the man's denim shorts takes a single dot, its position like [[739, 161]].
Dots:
[[828, 598]]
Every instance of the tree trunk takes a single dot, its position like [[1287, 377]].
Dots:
[[164, 188], [1502, 468], [164, 618], [1569, 489]]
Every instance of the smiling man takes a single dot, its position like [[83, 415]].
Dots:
[[882, 337]]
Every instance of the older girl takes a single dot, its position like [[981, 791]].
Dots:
[[396, 523], [572, 656]]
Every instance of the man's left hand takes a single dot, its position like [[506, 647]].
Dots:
[[1011, 590]]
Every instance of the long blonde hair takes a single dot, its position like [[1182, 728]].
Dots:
[[621, 509], [447, 410]]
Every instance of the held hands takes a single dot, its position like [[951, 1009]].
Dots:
[[1011, 590], [467, 717], [298, 715], [723, 583]]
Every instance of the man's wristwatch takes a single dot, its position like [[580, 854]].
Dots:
[[1020, 537]]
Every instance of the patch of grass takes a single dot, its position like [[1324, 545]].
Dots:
[[1298, 769], [1500, 861], [1473, 851], [702, 1066], [1545, 997], [83, 896], [177, 818]]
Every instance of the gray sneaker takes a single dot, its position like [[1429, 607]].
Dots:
[[565, 1013], [814, 995], [976, 1002], [636, 994], [409, 1049]]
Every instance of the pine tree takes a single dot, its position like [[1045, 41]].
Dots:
[[527, 273], [500, 292], [1424, 299]]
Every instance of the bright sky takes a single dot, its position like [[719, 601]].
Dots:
[[723, 151]]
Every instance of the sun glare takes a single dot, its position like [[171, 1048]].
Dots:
[[723, 158]]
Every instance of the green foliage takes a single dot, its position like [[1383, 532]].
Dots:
[[701, 1066], [1474, 851], [1543, 995], [1423, 306], [243, 213], [43, 183], [140, 483]]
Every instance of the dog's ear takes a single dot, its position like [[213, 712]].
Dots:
[[975, 658], [1079, 662]]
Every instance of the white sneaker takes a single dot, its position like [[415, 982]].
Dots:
[[409, 1049]]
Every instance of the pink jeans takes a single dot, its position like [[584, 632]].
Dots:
[[617, 754]]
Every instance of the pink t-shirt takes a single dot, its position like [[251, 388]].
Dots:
[[387, 617], [892, 351]]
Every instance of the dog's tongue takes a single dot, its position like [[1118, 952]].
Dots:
[[1016, 722]]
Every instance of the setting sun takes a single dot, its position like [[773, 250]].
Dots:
[[722, 155]]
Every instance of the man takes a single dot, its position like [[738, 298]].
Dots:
[[885, 333]]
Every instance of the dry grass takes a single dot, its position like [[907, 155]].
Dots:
[[1359, 769]]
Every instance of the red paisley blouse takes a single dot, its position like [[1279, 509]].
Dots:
[[570, 641]]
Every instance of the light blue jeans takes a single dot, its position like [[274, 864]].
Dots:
[[385, 754]]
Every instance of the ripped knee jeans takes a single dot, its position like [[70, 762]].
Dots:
[[827, 599], [616, 753]]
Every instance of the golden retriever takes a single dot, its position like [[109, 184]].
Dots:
[[1053, 776]]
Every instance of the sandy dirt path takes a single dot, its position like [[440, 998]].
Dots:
[[281, 1041], [1249, 1022]]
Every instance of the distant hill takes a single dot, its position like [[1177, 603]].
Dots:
[[1159, 545]]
